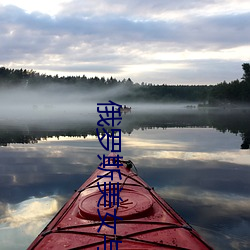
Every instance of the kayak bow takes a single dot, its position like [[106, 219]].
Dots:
[[146, 220]]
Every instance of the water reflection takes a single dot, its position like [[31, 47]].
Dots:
[[233, 121], [29, 210], [20, 222], [193, 161]]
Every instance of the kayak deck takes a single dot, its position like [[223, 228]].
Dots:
[[146, 220]]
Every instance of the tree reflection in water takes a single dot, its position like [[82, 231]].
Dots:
[[234, 121]]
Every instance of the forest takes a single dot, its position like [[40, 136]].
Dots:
[[224, 93]]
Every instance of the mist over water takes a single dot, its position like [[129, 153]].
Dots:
[[61, 107], [60, 102], [55, 102], [191, 156]]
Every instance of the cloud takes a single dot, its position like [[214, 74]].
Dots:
[[92, 37], [75, 32], [117, 30], [144, 10]]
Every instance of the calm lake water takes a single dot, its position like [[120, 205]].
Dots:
[[197, 160]]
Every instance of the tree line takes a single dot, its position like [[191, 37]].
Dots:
[[235, 122], [236, 91]]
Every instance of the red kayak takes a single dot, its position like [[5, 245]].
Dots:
[[123, 213]]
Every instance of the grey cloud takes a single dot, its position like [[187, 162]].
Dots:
[[135, 8], [85, 68], [98, 40], [209, 71], [220, 31]]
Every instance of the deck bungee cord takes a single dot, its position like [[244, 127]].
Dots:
[[148, 222]]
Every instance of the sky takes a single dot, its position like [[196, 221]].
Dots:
[[151, 41]]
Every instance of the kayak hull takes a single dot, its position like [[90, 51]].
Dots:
[[138, 219]]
